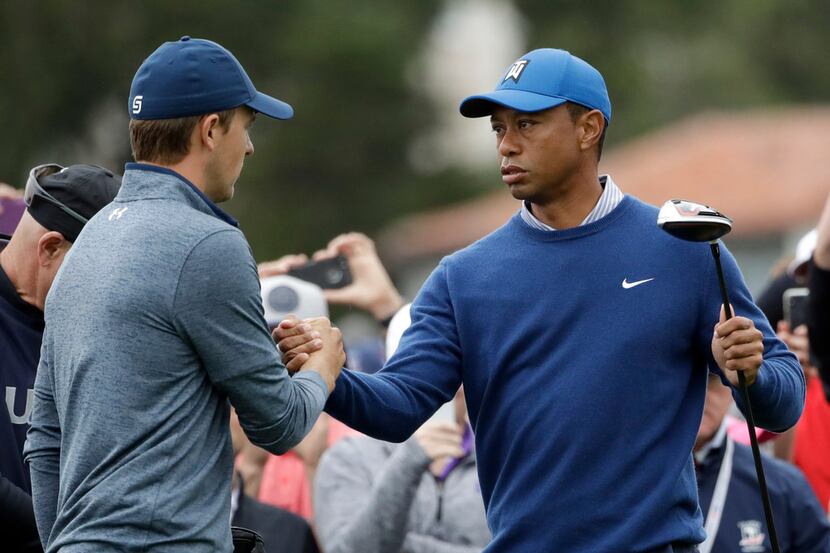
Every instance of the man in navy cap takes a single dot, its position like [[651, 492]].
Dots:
[[582, 334], [59, 201], [155, 323]]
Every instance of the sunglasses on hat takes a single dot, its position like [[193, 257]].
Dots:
[[34, 189]]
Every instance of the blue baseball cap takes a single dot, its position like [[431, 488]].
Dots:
[[543, 79], [193, 76]]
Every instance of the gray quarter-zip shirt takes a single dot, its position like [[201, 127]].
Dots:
[[154, 324]]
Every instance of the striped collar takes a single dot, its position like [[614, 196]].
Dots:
[[609, 199]]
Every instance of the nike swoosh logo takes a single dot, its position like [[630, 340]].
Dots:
[[627, 285]]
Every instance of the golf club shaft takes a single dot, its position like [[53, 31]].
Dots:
[[750, 419]]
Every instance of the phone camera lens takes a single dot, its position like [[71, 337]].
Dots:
[[334, 275]]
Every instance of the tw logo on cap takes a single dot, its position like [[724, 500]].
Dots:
[[515, 70], [137, 101]]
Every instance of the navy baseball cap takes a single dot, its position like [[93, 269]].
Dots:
[[543, 79], [194, 76]]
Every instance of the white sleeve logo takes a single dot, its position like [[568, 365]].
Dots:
[[116, 213], [137, 101]]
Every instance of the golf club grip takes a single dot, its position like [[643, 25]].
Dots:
[[750, 419]]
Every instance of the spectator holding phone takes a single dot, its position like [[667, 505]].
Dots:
[[808, 443], [794, 305], [374, 496], [811, 448]]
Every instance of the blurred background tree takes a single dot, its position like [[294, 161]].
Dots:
[[345, 162]]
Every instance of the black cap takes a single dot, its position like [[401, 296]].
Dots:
[[85, 189]]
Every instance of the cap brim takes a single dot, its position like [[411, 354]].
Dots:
[[266, 105], [481, 105]]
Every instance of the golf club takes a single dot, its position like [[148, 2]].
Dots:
[[695, 222]]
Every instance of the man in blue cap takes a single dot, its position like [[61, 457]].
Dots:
[[155, 323], [582, 334]]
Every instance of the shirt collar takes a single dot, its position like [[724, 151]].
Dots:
[[9, 293], [712, 445], [609, 199], [167, 171]]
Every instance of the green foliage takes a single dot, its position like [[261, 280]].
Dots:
[[666, 60]]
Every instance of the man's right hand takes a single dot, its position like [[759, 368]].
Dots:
[[313, 344]]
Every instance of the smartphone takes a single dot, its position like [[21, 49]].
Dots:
[[326, 273], [795, 306]]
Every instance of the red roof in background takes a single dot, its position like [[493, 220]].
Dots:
[[768, 170]]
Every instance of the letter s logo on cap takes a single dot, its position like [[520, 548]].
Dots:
[[137, 103]]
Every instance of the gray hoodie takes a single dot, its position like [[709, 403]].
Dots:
[[154, 322], [376, 497]]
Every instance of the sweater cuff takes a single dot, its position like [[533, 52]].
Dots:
[[319, 386], [411, 456]]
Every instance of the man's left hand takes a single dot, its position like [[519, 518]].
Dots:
[[738, 345]]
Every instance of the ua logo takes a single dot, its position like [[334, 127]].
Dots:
[[116, 213], [137, 101], [515, 70], [23, 418]]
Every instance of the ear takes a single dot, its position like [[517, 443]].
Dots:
[[51, 248], [208, 129], [591, 124]]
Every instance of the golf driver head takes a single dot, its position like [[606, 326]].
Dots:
[[692, 221]]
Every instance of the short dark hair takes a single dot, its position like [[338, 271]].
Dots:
[[167, 141], [575, 111]]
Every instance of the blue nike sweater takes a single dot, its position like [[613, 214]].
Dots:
[[585, 395]]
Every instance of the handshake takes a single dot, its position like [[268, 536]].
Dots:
[[314, 344], [311, 345]]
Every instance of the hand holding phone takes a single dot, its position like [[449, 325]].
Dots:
[[332, 272], [795, 306]]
